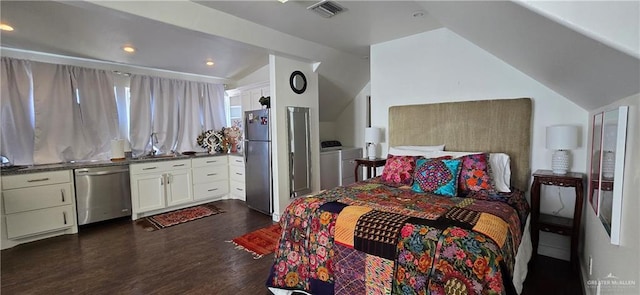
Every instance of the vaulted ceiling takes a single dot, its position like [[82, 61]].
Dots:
[[589, 65]]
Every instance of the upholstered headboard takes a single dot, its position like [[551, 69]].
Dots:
[[502, 125]]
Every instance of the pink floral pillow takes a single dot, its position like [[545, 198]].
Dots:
[[475, 173], [398, 170]]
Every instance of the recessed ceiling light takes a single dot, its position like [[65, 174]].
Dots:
[[209, 63], [283, 1], [418, 13], [6, 27], [129, 49]]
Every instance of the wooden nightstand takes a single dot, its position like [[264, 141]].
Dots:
[[370, 164], [556, 224]]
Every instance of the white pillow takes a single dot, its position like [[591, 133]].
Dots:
[[422, 147], [500, 171], [407, 152]]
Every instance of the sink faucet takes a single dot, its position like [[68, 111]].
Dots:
[[153, 140]]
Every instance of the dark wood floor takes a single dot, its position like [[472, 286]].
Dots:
[[119, 257]]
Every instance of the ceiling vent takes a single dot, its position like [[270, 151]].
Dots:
[[326, 8]]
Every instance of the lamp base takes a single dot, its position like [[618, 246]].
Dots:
[[560, 162], [371, 151]]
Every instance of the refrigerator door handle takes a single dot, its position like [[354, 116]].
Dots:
[[245, 153]]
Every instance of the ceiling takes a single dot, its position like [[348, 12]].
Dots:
[[97, 30], [361, 24], [238, 36], [100, 34]]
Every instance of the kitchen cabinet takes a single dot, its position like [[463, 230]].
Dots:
[[160, 186], [210, 178], [237, 177], [37, 206], [251, 97], [246, 98]]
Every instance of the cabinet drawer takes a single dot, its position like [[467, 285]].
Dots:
[[159, 166], [210, 161], [35, 179], [208, 174], [32, 198], [237, 188], [236, 161], [236, 173], [210, 190], [39, 221]]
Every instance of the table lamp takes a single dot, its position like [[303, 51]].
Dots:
[[561, 138], [372, 138]]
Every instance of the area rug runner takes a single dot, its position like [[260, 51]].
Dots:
[[164, 220], [260, 242]]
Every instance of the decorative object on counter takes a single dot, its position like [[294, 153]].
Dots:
[[117, 150], [260, 242], [233, 136], [212, 140], [164, 220], [265, 102]]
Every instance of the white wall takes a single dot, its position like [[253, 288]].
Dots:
[[327, 131], [280, 68], [616, 23], [353, 119], [260, 75], [622, 261], [441, 66]]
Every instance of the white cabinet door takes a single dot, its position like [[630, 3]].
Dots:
[[246, 101], [39, 221], [210, 190], [39, 197], [179, 187], [148, 192], [255, 98]]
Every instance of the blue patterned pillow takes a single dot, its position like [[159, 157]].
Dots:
[[436, 176]]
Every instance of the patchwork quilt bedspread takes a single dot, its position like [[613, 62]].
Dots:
[[369, 238]]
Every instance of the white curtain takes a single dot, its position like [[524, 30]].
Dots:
[[98, 110], [75, 113], [213, 115], [190, 118], [176, 111], [140, 119], [16, 111]]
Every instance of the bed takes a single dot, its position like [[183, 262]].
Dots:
[[441, 226]]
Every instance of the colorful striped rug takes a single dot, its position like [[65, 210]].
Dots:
[[259, 242], [167, 219]]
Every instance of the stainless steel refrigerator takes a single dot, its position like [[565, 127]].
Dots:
[[257, 158]]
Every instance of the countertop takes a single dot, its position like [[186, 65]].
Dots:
[[103, 163]]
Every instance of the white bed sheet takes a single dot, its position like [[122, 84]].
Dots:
[[520, 268]]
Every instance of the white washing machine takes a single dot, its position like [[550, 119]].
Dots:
[[337, 165]]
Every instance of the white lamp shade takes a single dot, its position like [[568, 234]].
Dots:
[[372, 134], [562, 137]]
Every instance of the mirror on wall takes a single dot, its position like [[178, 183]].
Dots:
[[607, 168], [298, 82]]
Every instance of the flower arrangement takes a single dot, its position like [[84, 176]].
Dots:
[[233, 135]]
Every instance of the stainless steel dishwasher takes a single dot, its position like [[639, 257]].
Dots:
[[102, 193]]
